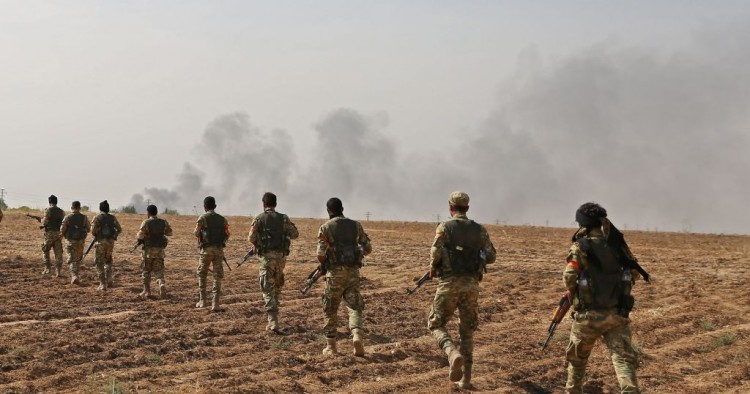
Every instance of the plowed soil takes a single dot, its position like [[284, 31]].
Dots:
[[691, 325]]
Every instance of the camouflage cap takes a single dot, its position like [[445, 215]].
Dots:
[[458, 199]]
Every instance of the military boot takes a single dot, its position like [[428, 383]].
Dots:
[[273, 321], [465, 382], [456, 361], [47, 267], [330, 348], [162, 289], [359, 347], [102, 282], [74, 280], [201, 298], [146, 290], [57, 272], [216, 303]]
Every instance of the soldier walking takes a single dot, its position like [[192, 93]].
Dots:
[[212, 231], [600, 285], [105, 228], [342, 243], [51, 222], [153, 235], [459, 254], [271, 233], [75, 227]]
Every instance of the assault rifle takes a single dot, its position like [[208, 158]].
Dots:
[[91, 245], [312, 278], [250, 253], [137, 244], [617, 240], [38, 219], [420, 282], [557, 316]]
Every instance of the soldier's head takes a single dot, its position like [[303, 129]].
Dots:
[[590, 215], [75, 206], [104, 206], [152, 210], [458, 202], [209, 203], [335, 207], [269, 200], [52, 199]]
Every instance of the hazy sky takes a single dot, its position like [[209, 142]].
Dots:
[[101, 99]]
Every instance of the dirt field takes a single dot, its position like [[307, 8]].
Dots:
[[691, 325]]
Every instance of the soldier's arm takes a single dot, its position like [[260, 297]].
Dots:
[[117, 226], [573, 268], [489, 248], [436, 251], [167, 229], [143, 231], [86, 224], [323, 244], [252, 236], [290, 229], [363, 240], [64, 226], [45, 217], [226, 228], [94, 226], [199, 226]]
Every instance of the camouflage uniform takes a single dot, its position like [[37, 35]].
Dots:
[[74, 247], [272, 262], [51, 222], [456, 292], [590, 324], [342, 282], [153, 254], [104, 247], [211, 256]]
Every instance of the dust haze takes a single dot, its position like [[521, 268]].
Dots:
[[659, 138]]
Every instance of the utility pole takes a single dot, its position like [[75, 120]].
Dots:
[[437, 216], [148, 201], [367, 215]]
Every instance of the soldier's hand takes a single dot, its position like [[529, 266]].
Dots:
[[433, 272]]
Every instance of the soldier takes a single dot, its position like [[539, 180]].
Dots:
[[212, 231], [459, 255], [342, 243], [600, 286], [105, 228], [75, 227], [153, 235], [51, 222], [271, 234], [1, 214]]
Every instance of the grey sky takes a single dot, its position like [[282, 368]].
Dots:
[[102, 99]]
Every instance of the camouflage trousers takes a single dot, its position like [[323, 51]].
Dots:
[[211, 257], [342, 283], [52, 241], [103, 259], [153, 264], [456, 292], [271, 280], [614, 329], [75, 253]]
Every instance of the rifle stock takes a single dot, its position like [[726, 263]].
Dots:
[[250, 253], [312, 278], [420, 282], [559, 314]]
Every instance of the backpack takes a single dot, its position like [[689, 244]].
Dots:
[[465, 247], [76, 230], [346, 249]]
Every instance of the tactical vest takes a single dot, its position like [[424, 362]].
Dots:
[[346, 250], [271, 234], [603, 284], [156, 233], [214, 233], [107, 227], [465, 247], [76, 230], [54, 218]]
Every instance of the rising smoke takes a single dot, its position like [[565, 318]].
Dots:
[[660, 139]]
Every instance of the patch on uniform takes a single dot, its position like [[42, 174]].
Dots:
[[439, 235]]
